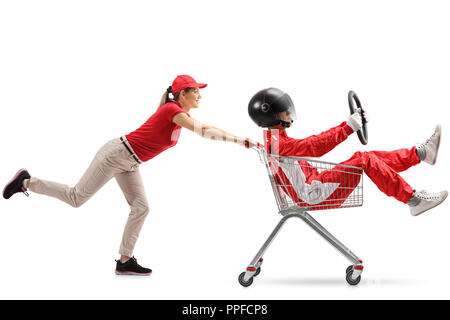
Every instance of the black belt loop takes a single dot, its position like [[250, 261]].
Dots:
[[131, 152]]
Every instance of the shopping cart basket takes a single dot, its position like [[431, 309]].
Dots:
[[306, 184]]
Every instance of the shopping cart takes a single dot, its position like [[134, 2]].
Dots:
[[307, 184]]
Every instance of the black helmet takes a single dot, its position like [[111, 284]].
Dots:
[[265, 105]]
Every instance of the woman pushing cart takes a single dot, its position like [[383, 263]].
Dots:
[[121, 157]]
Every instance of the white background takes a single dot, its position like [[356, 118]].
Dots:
[[75, 74]]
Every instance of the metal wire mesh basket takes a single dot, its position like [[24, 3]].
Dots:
[[305, 184], [310, 184]]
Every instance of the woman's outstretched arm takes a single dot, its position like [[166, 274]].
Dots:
[[210, 132]]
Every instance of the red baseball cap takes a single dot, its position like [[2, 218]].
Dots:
[[184, 81]]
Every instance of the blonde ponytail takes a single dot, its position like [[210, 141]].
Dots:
[[165, 98]]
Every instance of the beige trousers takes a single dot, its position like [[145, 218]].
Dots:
[[112, 160]]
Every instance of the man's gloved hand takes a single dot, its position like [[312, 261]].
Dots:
[[355, 120], [366, 117]]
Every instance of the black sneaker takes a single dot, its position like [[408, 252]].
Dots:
[[16, 184], [131, 267]]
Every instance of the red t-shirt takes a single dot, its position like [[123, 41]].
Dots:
[[157, 134]]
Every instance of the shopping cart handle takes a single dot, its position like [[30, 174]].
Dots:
[[247, 144], [258, 147]]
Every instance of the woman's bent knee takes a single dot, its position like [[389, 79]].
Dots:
[[140, 207], [145, 210], [77, 203], [76, 199]]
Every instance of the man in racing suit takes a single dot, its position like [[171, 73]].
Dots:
[[382, 167]]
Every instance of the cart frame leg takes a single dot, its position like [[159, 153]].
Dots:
[[309, 220], [305, 216], [257, 260]]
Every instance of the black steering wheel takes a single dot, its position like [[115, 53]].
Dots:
[[362, 133]]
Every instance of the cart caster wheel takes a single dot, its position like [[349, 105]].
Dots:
[[350, 281], [258, 271], [349, 268], [243, 283]]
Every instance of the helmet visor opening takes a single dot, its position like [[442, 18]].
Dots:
[[292, 112], [288, 109]]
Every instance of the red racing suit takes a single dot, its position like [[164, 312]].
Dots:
[[381, 167]]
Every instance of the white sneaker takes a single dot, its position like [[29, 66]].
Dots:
[[431, 146], [428, 200]]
